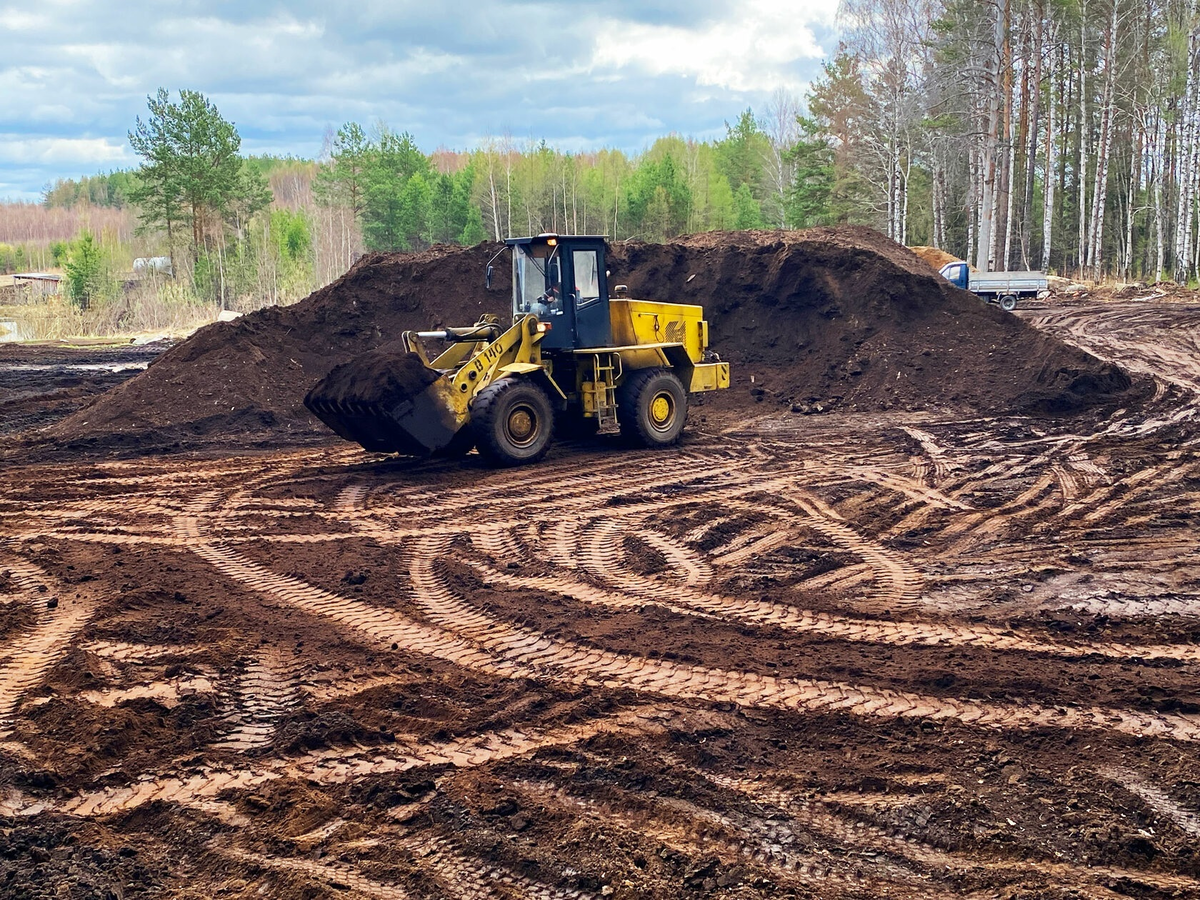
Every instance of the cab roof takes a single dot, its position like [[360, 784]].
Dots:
[[547, 237]]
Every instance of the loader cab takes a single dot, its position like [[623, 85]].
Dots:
[[562, 280]]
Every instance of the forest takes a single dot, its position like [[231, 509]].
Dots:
[[1061, 134], [1054, 134]]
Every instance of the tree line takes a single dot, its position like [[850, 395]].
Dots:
[[1062, 134]]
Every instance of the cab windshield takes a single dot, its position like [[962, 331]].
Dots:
[[537, 280]]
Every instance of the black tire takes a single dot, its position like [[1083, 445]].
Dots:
[[512, 421], [652, 408], [1008, 302]]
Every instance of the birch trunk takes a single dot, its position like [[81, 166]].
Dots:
[[1133, 188], [1004, 176], [1034, 123], [1185, 155], [1100, 188], [938, 199], [1160, 139], [972, 203], [1050, 179], [1084, 141], [1011, 167], [985, 253]]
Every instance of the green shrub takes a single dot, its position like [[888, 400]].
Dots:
[[88, 274]]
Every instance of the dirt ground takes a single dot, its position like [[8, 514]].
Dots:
[[813, 653]]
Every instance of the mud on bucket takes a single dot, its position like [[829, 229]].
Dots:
[[389, 402]]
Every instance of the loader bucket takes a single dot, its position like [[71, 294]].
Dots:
[[389, 402]]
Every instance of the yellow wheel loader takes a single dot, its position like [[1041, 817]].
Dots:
[[574, 358]]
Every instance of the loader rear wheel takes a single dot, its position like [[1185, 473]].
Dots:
[[512, 421], [652, 408], [1008, 302]]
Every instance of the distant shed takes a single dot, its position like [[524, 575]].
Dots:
[[37, 283]]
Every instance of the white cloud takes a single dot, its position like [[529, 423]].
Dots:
[[19, 20], [20, 150], [751, 49], [580, 76]]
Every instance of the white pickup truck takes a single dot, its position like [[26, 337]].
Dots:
[[996, 287]]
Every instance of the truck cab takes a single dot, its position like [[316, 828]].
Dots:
[[958, 274]]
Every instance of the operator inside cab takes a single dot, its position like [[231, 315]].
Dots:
[[550, 302], [538, 280]]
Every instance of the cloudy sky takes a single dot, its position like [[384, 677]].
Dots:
[[75, 74]]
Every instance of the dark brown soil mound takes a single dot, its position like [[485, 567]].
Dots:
[[838, 316], [825, 316]]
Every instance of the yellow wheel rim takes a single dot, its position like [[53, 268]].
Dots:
[[521, 425], [662, 409]]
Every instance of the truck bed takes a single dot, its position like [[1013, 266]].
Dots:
[[1021, 283]]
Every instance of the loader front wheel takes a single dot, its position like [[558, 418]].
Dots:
[[512, 421], [652, 408]]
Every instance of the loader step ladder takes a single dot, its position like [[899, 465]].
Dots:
[[606, 371]]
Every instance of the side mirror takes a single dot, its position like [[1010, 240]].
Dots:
[[487, 278]]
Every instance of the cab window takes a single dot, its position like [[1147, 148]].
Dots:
[[587, 276]]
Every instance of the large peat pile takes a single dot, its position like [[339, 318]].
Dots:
[[838, 316], [845, 316]]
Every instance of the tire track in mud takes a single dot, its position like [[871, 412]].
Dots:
[[758, 542], [738, 839], [914, 490], [1148, 607], [335, 766], [463, 635], [1108, 500], [1034, 500], [936, 453], [900, 584], [265, 693], [1140, 339], [338, 876], [853, 831], [555, 658], [474, 879], [448, 514], [1157, 799], [26, 660], [516, 648], [459, 876], [628, 592], [1050, 452], [1068, 484], [565, 488], [685, 565], [123, 651]]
